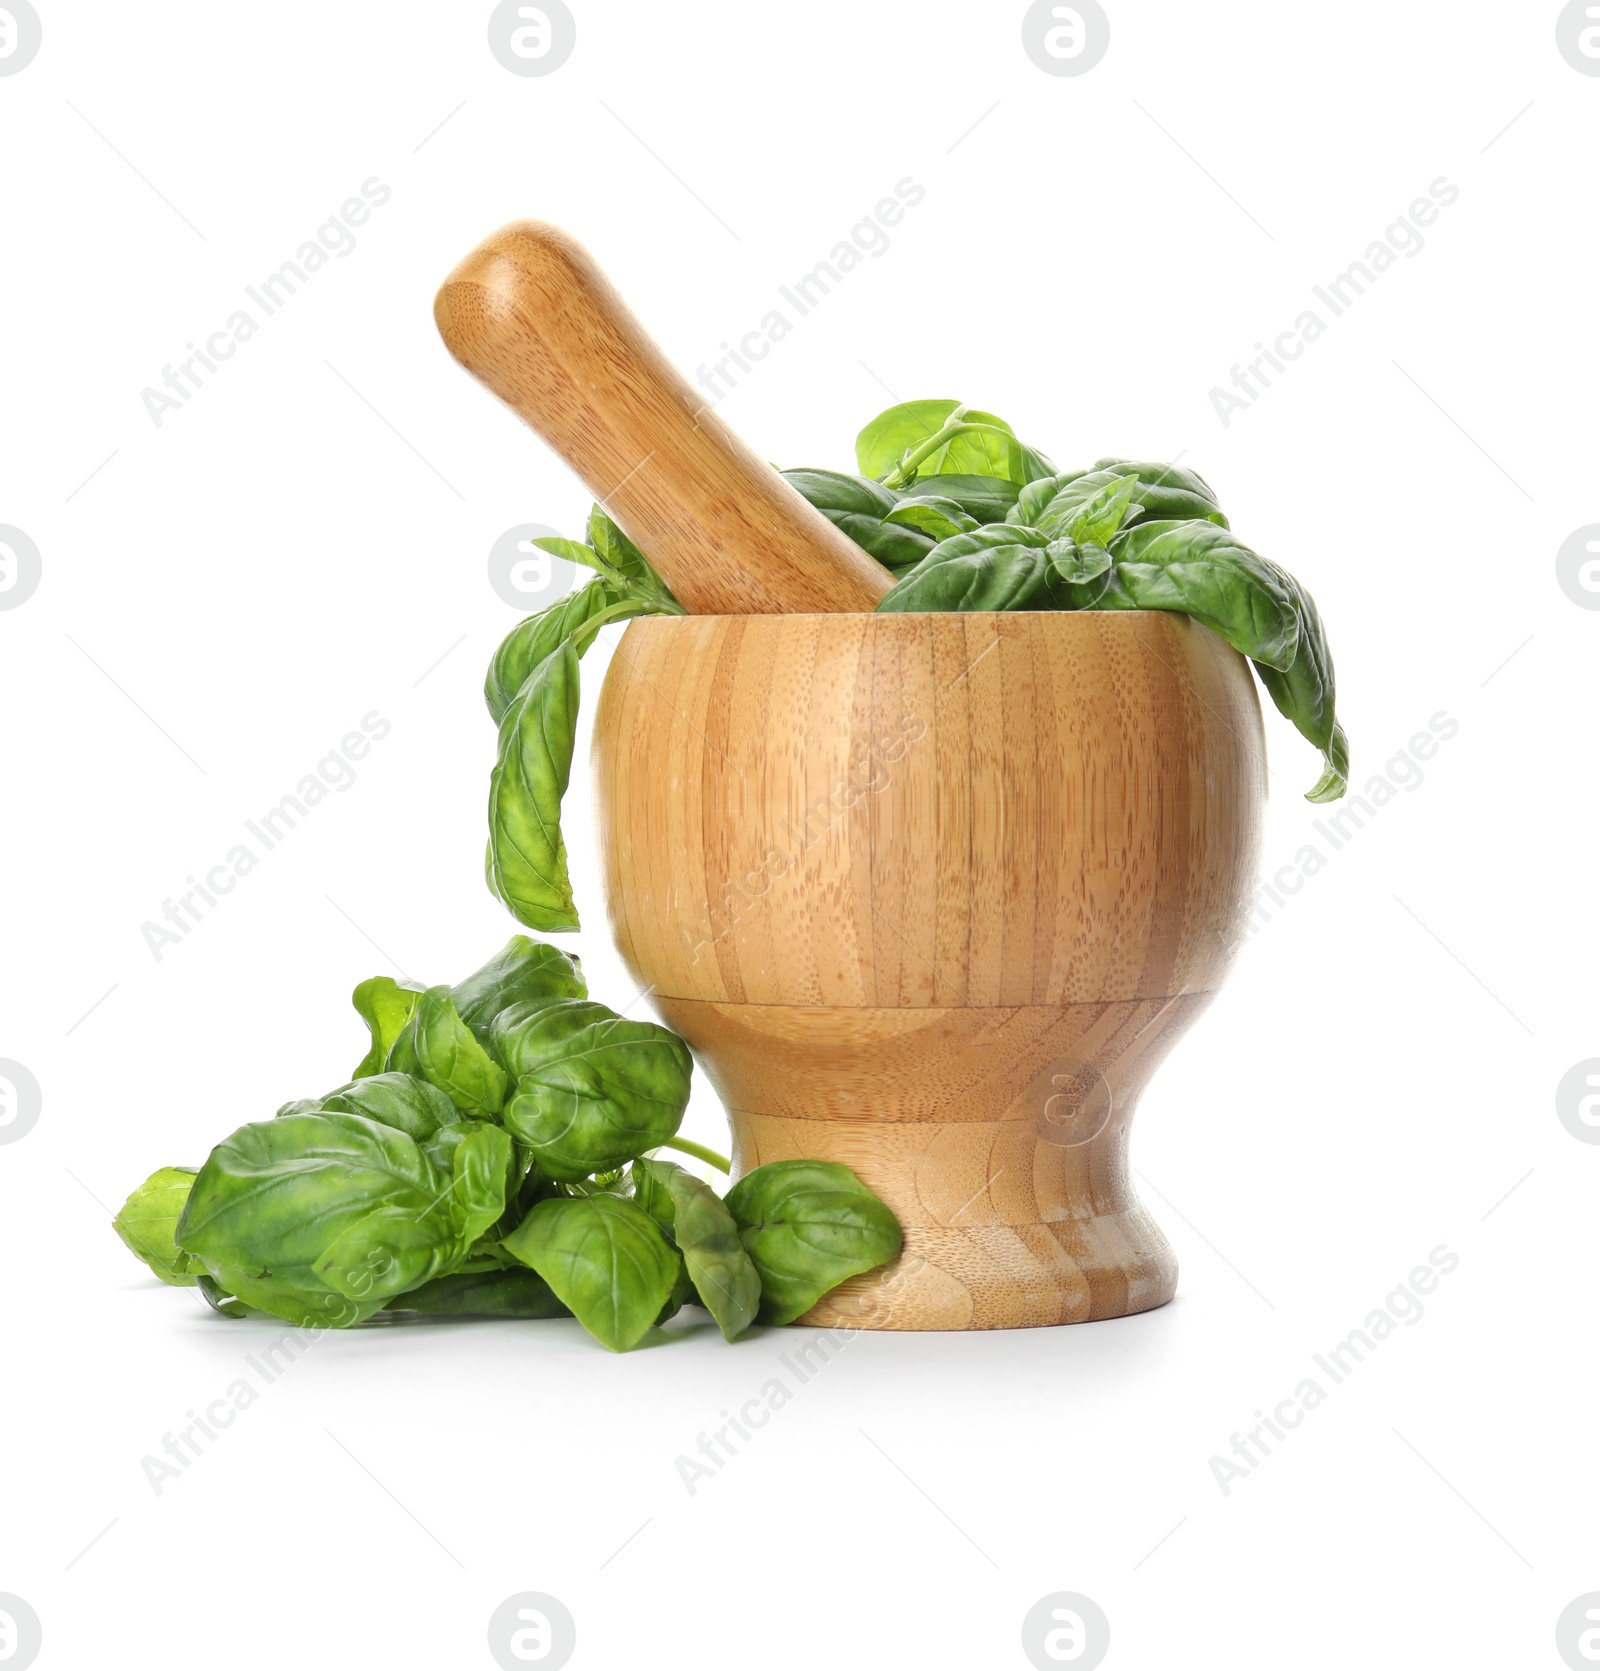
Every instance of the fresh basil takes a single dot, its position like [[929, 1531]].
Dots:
[[593, 1089], [520, 970], [606, 1261], [807, 1225], [437, 1045], [397, 1100], [320, 1218], [527, 859], [484, 1171], [386, 1006], [867, 512], [147, 1221], [515, 1293], [1128, 534], [700, 1226]]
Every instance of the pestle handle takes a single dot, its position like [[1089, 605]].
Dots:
[[530, 314]]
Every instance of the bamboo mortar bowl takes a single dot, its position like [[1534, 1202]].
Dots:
[[933, 895]]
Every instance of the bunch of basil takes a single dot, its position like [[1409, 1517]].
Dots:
[[491, 1156], [966, 517]]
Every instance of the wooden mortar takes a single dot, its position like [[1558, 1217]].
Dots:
[[933, 896]]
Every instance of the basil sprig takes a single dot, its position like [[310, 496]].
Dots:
[[496, 1155], [1127, 534]]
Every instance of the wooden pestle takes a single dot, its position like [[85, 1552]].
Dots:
[[530, 314]]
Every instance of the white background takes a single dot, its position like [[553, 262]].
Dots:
[[233, 590]]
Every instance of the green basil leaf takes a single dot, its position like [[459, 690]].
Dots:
[[437, 1045], [640, 580], [606, 1261], [575, 551], [390, 1250], [1201, 570], [481, 1168], [1076, 564], [933, 515], [898, 431], [1304, 694], [985, 499], [1166, 493], [939, 437], [527, 859], [398, 1100], [994, 568], [521, 969], [593, 1090], [697, 1223], [386, 1005], [1103, 514], [836, 494], [535, 639], [861, 510], [275, 1199], [514, 1293], [807, 1225], [148, 1218]]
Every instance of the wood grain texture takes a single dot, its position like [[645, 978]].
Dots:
[[933, 895], [530, 314]]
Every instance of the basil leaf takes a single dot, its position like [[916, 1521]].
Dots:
[[606, 1261], [535, 639], [481, 1174], [148, 1218], [929, 438], [437, 1045], [527, 859], [397, 1100], [514, 1293], [861, 509], [386, 1006], [984, 498], [933, 515], [1005, 566], [897, 431], [1201, 570], [521, 969], [593, 1090], [274, 1202], [1304, 694], [1166, 493], [1075, 564], [700, 1226], [807, 1225]]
